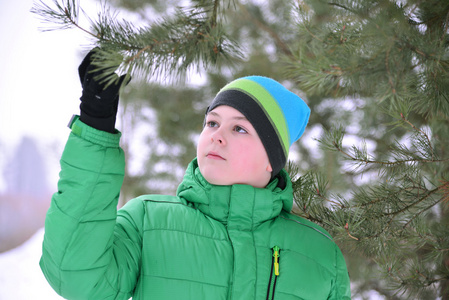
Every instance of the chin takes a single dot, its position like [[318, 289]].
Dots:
[[217, 181]]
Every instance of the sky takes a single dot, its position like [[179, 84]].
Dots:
[[39, 84]]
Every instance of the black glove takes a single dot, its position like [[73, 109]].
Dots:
[[98, 103]]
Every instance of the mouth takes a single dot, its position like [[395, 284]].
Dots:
[[214, 155]]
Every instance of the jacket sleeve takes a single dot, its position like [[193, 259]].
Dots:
[[88, 252], [341, 289]]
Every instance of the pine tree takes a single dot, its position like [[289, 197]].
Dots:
[[374, 71], [393, 54]]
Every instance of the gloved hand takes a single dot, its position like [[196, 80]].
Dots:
[[98, 103]]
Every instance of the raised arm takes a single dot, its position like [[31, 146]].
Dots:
[[89, 252]]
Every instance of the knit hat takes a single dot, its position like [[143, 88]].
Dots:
[[278, 115]]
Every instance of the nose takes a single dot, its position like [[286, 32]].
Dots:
[[217, 138]]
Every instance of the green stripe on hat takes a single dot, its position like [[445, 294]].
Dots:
[[268, 104]]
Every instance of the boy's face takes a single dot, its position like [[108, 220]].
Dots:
[[230, 151]]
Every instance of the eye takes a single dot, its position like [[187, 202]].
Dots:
[[240, 129], [211, 124]]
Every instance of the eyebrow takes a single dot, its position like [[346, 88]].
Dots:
[[235, 118]]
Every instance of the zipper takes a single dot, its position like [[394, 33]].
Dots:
[[274, 273]]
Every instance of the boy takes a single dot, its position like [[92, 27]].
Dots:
[[227, 234]]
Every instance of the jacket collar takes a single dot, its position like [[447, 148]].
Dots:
[[237, 206]]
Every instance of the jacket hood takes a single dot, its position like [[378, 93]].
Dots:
[[239, 205]]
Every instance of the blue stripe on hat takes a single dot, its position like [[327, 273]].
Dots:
[[295, 110]]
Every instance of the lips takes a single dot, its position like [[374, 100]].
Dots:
[[214, 155]]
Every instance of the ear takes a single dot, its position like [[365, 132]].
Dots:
[[269, 168]]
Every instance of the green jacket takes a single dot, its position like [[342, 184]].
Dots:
[[208, 242]]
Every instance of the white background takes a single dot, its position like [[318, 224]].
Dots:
[[39, 85]]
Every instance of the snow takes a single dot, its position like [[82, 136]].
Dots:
[[20, 275]]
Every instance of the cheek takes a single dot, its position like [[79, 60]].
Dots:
[[200, 145], [200, 151], [249, 160]]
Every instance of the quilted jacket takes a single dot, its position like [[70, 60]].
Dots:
[[207, 242]]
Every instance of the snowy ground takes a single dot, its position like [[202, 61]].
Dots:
[[20, 275]]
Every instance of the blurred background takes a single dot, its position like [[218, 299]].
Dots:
[[366, 67], [39, 92]]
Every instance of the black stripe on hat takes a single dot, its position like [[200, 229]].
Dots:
[[257, 116]]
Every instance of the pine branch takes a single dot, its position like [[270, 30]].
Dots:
[[65, 15], [427, 208], [420, 131], [332, 140], [341, 6], [274, 35], [404, 187], [190, 38], [444, 33]]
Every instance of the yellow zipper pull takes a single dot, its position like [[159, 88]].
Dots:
[[276, 251]]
